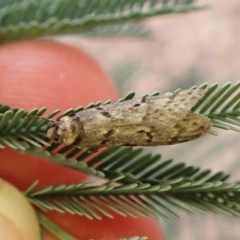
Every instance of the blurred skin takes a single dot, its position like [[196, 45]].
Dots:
[[46, 73]]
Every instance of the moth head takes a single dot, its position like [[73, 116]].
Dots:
[[52, 134], [67, 130]]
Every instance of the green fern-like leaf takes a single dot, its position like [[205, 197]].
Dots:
[[130, 165], [19, 130], [148, 186], [222, 105], [156, 199], [62, 235], [26, 132], [64, 160], [31, 18], [138, 183]]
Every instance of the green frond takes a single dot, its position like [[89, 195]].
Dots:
[[158, 200], [31, 18], [26, 132], [131, 164], [63, 160], [20, 130], [221, 105]]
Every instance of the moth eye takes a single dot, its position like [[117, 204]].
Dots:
[[55, 139]]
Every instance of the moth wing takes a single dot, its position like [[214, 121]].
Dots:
[[168, 109], [192, 126], [162, 111]]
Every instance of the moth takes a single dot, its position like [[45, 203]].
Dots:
[[148, 121]]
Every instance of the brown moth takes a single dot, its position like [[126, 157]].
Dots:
[[149, 121]]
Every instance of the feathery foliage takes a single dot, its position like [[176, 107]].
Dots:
[[139, 184], [63, 235], [222, 106], [31, 18], [26, 132], [181, 189]]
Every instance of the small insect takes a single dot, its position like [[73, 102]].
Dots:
[[148, 121]]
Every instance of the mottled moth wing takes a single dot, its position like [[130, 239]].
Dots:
[[169, 108], [190, 127], [163, 110], [148, 121]]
